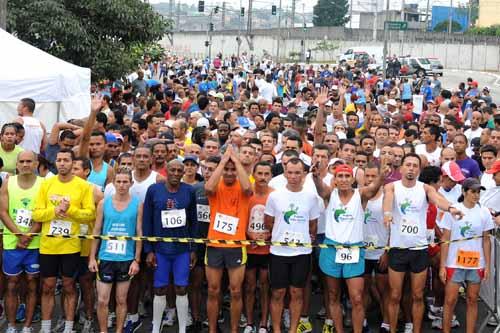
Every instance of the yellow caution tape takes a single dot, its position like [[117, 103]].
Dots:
[[188, 240]]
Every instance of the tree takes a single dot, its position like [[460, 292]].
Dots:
[[443, 26], [100, 34], [328, 13], [327, 46]]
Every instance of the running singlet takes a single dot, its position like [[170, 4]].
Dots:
[[257, 205], [409, 213], [21, 203], [99, 177], [228, 214], [344, 223], [119, 223], [376, 234], [81, 210], [33, 134]]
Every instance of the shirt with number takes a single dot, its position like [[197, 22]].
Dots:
[[409, 213], [119, 223], [81, 210], [228, 214], [169, 214], [256, 207], [375, 232], [344, 222], [21, 203], [467, 254], [292, 212]]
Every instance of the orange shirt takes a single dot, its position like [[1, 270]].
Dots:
[[229, 203], [256, 207]]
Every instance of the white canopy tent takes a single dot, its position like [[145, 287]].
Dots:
[[61, 90]]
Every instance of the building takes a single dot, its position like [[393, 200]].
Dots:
[[442, 14], [489, 13]]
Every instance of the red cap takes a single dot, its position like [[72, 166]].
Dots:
[[494, 168], [343, 168], [475, 84], [452, 170]]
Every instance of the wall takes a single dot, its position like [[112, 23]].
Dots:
[[455, 52], [489, 13]]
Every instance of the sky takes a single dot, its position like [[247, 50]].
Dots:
[[309, 4]]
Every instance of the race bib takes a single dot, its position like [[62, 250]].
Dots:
[[468, 259], [347, 256], [116, 246], [174, 218], [371, 240], [23, 218], [291, 237], [257, 226], [409, 228], [59, 227], [84, 229], [226, 224], [203, 212]]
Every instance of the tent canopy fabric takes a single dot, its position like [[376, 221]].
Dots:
[[55, 85]]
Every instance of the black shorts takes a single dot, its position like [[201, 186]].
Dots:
[[83, 266], [289, 271], [373, 266], [113, 271], [412, 261], [54, 265], [225, 257], [200, 255], [258, 261]]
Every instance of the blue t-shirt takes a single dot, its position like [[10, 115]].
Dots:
[[157, 198]]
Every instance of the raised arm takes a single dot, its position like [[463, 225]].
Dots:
[[440, 201], [246, 187], [213, 181], [96, 106], [320, 116]]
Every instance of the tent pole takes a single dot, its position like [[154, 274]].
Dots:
[[58, 111]]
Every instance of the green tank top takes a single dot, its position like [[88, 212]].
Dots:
[[21, 204]]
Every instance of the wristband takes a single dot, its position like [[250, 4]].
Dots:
[[387, 213]]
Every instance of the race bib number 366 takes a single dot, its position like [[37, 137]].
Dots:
[[226, 224], [59, 227], [174, 218]]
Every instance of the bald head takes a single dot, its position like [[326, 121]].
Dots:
[[448, 154], [27, 153], [27, 162]]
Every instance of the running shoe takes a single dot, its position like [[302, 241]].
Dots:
[[243, 321], [304, 326], [169, 317], [21, 313], [249, 329], [286, 318]]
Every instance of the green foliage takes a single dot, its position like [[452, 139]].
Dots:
[[326, 45], [294, 55], [327, 13], [101, 34], [494, 30], [443, 26]]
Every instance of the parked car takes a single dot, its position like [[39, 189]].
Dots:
[[437, 67], [415, 65]]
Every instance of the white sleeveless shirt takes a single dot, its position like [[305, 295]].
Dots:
[[138, 189], [33, 134], [376, 234], [409, 213], [344, 223]]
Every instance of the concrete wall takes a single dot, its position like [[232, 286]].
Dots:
[[484, 56]]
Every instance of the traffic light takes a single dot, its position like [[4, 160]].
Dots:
[[207, 43], [242, 12], [201, 6], [210, 27], [216, 9], [273, 10]]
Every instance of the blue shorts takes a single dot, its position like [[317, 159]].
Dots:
[[340, 271], [460, 275], [176, 264], [21, 260]]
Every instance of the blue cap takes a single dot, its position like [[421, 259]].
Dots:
[[111, 138], [191, 158], [243, 121]]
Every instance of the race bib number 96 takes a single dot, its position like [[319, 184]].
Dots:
[[347, 256], [58, 227], [174, 218], [226, 224]]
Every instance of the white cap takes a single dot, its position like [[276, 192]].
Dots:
[[335, 87], [391, 102], [212, 93], [336, 160], [203, 122], [178, 100], [329, 103]]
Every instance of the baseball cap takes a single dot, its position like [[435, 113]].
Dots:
[[343, 168], [452, 170], [219, 95], [494, 168], [191, 158], [212, 93], [203, 122], [196, 114], [391, 102], [486, 88], [472, 184], [475, 142], [111, 138], [118, 136], [336, 160], [178, 100]]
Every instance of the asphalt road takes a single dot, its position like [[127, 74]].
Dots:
[[452, 78]]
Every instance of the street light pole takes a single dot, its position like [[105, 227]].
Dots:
[[279, 35], [384, 60]]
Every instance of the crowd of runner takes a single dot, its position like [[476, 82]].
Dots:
[[380, 170]]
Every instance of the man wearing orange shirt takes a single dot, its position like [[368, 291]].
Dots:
[[228, 192], [258, 256]]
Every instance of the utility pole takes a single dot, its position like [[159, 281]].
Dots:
[[222, 25], [292, 18], [375, 21], [450, 17], [384, 60], [350, 14], [238, 40], [3, 14], [304, 30], [249, 26], [427, 16], [279, 35], [178, 16]]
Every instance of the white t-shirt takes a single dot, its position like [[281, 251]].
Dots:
[[433, 158], [138, 189], [475, 221], [452, 196], [487, 181], [491, 198], [292, 212], [344, 223], [471, 134], [375, 232], [278, 183], [409, 213]]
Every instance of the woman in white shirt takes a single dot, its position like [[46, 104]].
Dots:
[[465, 261]]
